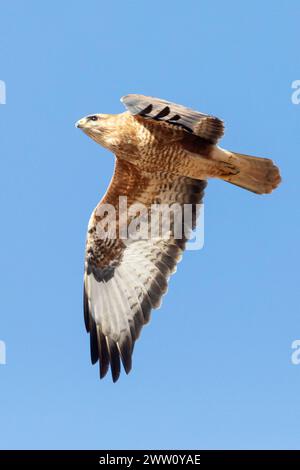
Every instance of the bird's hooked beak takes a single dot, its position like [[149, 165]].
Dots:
[[80, 123], [91, 123], [101, 128]]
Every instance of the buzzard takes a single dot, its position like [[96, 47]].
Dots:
[[164, 153]]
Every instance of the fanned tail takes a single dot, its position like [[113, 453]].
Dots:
[[255, 174]]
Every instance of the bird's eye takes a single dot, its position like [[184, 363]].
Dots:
[[94, 118]]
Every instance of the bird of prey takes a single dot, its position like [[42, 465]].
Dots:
[[164, 153]]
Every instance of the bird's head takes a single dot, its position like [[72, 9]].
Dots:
[[103, 128]]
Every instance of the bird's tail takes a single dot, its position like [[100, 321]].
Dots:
[[258, 175]]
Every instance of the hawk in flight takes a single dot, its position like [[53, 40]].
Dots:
[[164, 154]]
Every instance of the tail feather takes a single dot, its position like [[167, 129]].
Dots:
[[258, 175]]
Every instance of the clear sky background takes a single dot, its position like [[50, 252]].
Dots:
[[213, 369]]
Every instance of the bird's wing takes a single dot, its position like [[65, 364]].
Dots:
[[205, 126], [125, 278]]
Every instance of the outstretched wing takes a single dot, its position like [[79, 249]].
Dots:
[[205, 126], [125, 275]]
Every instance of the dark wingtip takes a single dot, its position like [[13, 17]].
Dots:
[[115, 364], [93, 341], [104, 355], [125, 349], [86, 310]]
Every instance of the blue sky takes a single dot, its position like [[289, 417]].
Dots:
[[213, 369]]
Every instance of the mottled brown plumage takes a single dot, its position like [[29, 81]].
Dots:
[[164, 155]]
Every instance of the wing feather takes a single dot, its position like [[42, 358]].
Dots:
[[104, 358], [203, 125], [125, 279]]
